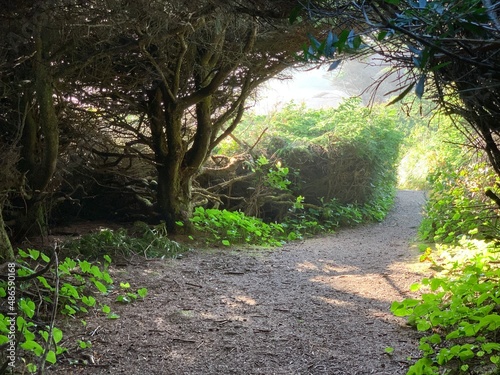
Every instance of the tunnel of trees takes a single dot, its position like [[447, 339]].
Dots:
[[93, 92]]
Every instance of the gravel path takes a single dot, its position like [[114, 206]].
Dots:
[[320, 306]]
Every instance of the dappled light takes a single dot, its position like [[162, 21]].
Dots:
[[326, 266], [365, 285], [160, 215], [317, 303]]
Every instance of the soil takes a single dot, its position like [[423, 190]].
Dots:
[[320, 306]]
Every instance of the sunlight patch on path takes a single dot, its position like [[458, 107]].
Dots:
[[366, 286], [325, 268]]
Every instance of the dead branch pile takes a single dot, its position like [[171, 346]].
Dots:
[[319, 174], [338, 172]]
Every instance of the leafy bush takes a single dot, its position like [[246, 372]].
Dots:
[[457, 204], [232, 227], [305, 220], [346, 153], [432, 141], [458, 312]]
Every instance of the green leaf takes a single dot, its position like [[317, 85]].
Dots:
[[45, 258], [100, 286], [389, 350], [342, 39], [294, 14], [489, 347], [32, 346], [57, 335], [435, 339], [415, 287], [381, 35], [226, 243], [44, 334], [89, 300], [85, 266], [123, 299], [142, 292], [44, 282], [28, 307], [124, 285], [423, 325], [34, 254], [51, 357]]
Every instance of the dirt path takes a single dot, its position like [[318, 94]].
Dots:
[[316, 307]]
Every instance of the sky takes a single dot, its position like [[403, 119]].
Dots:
[[313, 88], [320, 88]]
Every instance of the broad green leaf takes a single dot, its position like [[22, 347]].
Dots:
[[32, 346], [102, 288], [51, 357], [142, 292], [57, 334]]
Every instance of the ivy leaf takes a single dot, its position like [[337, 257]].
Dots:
[[51, 357]]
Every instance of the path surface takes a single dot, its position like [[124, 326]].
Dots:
[[316, 307]]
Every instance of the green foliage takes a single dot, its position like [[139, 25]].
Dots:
[[432, 143], [141, 239], [307, 220], [457, 311], [339, 164], [76, 287], [457, 205], [360, 146], [226, 227], [275, 177]]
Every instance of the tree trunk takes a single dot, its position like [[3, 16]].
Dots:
[[41, 125], [174, 199]]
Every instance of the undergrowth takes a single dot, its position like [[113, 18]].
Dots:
[[141, 239], [234, 227], [458, 205], [458, 311], [36, 305]]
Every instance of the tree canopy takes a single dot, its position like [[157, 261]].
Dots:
[[445, 50], [109, 82]]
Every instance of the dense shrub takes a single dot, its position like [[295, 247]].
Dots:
[[346, 154], [458, 205]]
